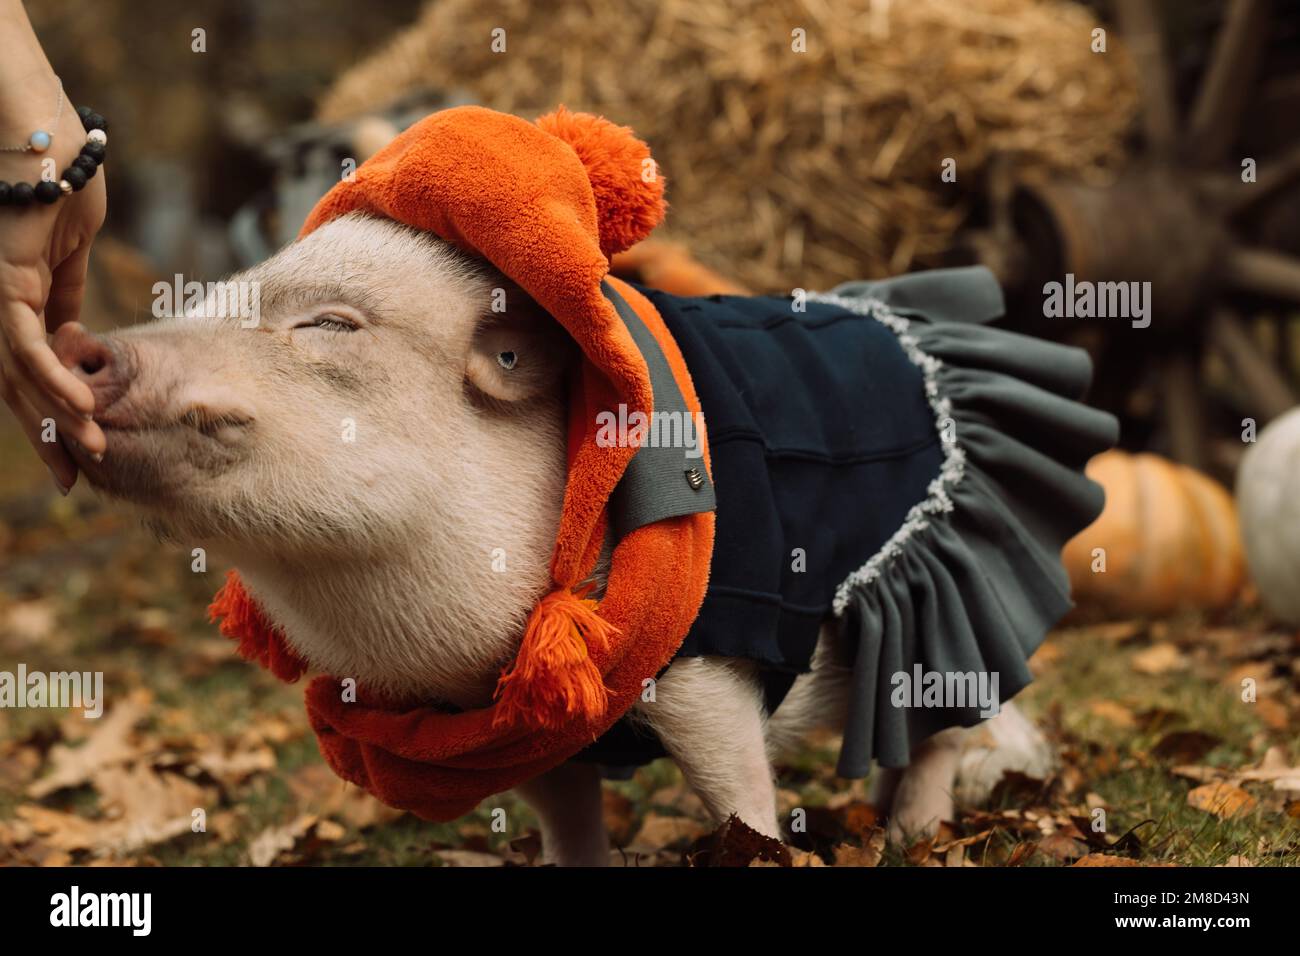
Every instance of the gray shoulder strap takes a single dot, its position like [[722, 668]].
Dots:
[[666, 478]]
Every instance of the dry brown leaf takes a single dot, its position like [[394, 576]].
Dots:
[[145, 807], [140, 808], [277, 729], [1185, 746], [658, 830], [329, 831], [919, 853], [28, 623], [1021, 853], [620, 816], [226, 825], [1105, 859], [321, 792], [1061, 846], [1113, 712], [1286, 777], [62, 831], [799, 858], [1120, 632], [232, 768], [860, 819], [736, 844], [273, 842], [964, 841], [111, 742], [1221, 799], [18, 763], [868, 854], [1159, 659], [1273, 713], [681, 798], [1045, 657], [470, 858]]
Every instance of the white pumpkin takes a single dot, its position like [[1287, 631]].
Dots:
[[1268, 504]]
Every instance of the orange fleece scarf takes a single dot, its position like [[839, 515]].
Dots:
[[548, 204]]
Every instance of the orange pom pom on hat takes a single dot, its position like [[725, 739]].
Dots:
[[548, 204]]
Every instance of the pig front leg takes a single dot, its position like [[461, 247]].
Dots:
[[567, 801], [709, 715]]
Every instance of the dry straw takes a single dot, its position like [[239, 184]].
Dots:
[[789, 168]]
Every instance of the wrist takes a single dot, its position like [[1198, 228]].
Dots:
[[70, 163], [25, 72], [29, 105]]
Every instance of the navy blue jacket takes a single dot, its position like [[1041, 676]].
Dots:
[[821, 440]]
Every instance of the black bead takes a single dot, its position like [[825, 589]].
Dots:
[[86, 165], [96, 121], [22, 194], [47, 192], [85, 113], [94, 150], [75, 176], [6, 193]]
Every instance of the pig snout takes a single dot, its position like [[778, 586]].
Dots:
[[101, 363], [172, 426]]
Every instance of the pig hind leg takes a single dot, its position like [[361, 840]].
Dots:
[[709, 715], [954, 766], [915, 797], [923, 795], [964, 764]]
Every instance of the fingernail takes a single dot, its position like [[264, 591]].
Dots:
[[63, 489], [97, 457]]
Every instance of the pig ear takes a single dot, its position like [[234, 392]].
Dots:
[[519, 352]]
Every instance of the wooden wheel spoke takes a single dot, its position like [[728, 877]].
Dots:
[[1266, 389], [1212, 128], [1141, 27], [1263, 272]]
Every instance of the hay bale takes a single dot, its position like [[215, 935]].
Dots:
[[788, 168]]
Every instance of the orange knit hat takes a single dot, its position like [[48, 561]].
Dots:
[[548, 204]]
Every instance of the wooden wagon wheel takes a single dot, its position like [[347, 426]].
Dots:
[[1171, 218]]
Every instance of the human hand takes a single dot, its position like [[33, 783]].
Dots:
[[44, 251]]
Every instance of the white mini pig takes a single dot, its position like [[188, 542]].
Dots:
[[354, 457]]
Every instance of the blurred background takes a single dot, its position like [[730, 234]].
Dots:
[[805, 143]]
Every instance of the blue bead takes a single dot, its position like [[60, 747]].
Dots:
[[40, 141]]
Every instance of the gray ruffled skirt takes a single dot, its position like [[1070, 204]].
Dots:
[[972, 580]]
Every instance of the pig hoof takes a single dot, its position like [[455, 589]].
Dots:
[[917, 813]]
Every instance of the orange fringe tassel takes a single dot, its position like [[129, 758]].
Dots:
[[553, 680], [240, 619]]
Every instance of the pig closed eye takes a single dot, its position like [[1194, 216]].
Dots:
[[330, 323]]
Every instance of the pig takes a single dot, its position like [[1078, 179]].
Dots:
[[358, 451]]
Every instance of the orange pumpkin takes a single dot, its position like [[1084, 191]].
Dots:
[[1167, 539]]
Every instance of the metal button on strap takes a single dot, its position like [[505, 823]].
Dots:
[[695, 478]]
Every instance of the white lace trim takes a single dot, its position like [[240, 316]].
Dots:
[[938, 499]]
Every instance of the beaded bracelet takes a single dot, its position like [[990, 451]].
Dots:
[[75, 177]]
